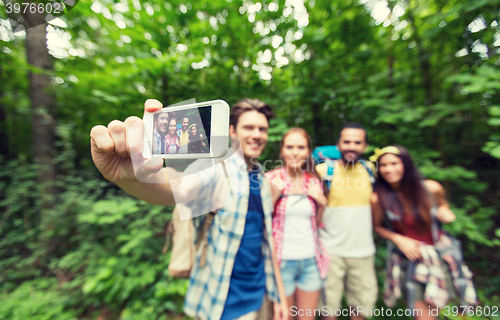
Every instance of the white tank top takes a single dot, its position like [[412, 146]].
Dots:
[[298, 238]]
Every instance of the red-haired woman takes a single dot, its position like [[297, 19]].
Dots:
[[298, 199], [425, 264]]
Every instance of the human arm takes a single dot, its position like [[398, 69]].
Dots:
[[111, 152], [315, 191], [444, 213], [408, 246], [201, 139], [117, 148], [277, 186], [281, 308], [319, 216]]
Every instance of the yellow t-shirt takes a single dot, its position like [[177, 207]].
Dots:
[[184, 137], [350, 185], [347, 219]]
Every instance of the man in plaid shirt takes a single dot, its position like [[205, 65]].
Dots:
[[238, 272], [159, 132]]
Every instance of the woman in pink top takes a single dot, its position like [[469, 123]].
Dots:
[[299, 200], [172, 140]]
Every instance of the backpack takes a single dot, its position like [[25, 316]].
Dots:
[[185, 243], [328, 155]]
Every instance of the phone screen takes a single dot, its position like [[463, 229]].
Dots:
[[182, 131]]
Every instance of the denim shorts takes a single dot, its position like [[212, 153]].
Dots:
[[302, 274]]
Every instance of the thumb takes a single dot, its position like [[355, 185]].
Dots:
[[151, 171]]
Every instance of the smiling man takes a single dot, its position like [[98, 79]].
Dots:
[[242, 231], [159, 132], [240, 267], [184, 136], [347, 233], [241, 243]]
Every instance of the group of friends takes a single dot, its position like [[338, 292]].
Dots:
[[305, 231], [168, 139]]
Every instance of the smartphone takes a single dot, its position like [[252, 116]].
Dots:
[[192, 131]]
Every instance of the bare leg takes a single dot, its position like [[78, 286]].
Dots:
[[291, 303], [307, 301], [422, 311]]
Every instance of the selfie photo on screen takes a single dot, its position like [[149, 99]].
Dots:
[[182, 131]]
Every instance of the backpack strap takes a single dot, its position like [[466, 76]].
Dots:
[[168, 237], [369, 170], [330, 169], [202, 237]]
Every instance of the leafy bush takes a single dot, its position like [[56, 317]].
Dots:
[[37, 299]]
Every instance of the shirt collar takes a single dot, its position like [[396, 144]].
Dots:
[[157, 135], [238, 160]]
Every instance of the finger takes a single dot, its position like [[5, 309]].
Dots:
[[152, 105], [314, 187], [117, 131], [101, 140], [410, 257], [277, 311], [134, 134], [313, 182], [418, 254], [149, 170]]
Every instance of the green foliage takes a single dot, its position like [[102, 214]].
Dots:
[[38, 300], [423, 78]]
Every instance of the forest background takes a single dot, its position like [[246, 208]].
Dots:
[[424, 74]]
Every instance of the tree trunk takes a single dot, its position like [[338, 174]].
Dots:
[[42, 105], [425, 63]]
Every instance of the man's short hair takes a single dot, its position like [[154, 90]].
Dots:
[[352, 125], [157, 115], [246, 105]]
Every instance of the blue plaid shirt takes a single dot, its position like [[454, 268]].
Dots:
[[209, 285], [157, 142]]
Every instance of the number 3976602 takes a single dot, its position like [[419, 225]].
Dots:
[[471, 311], [31, 7]]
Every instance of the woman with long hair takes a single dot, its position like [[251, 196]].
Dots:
[[408, 210], [172, 140], [299, 199], [196, 143]]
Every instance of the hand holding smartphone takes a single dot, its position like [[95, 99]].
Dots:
[[123, 153], [192, 131]]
